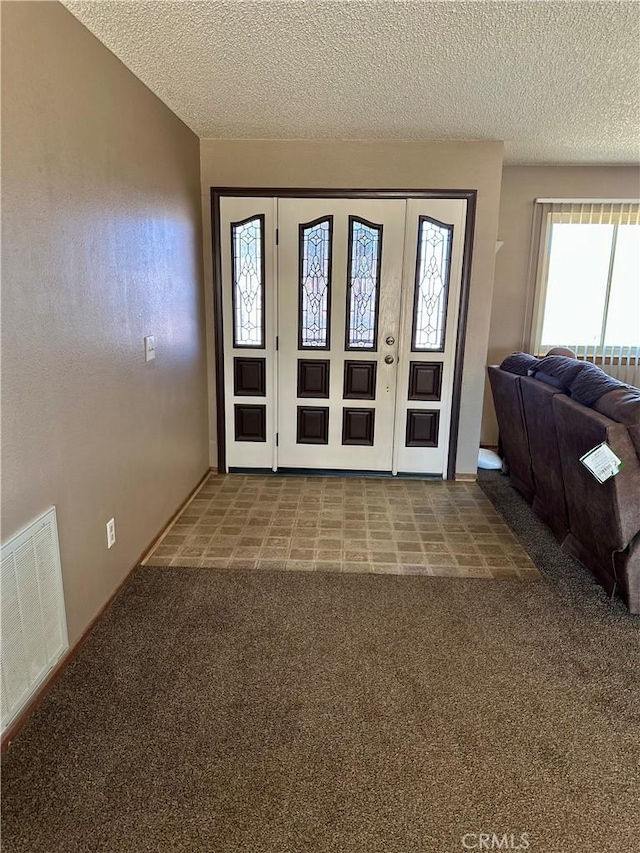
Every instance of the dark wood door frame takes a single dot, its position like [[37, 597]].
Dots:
[[279, 192]]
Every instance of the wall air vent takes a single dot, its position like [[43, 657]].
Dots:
[[33, 631]]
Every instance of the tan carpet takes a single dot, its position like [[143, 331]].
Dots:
[[258, 712]]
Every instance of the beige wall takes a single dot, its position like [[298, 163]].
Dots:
[[520, 186], [101, 246], [413, 165]]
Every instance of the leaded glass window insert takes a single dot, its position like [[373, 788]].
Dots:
[[363, 284], [315, 284], [247, 250], [433, 268]]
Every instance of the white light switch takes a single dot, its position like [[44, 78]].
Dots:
[[150, 347], [111, 533]]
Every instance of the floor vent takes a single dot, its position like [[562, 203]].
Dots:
[[33, 630]]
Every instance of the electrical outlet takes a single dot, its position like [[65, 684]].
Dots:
[[111, 533], [150, 347]]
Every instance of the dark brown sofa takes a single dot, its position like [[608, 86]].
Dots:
[[559, 409]]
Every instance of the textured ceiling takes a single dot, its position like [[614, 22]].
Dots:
[[558, 81]]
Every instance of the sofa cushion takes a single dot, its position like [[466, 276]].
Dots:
[[520, 363], [591, 384], [559, 367]]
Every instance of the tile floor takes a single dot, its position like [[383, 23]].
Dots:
[[400, 526]]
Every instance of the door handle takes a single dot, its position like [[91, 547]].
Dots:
[[388, 359]]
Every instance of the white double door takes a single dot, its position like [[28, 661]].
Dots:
[[340, 323]]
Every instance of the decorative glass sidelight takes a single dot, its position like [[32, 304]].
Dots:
[[247, 251], [314, 312], [363, 284], [433, 268]]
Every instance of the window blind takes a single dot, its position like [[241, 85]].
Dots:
[[549, 212]]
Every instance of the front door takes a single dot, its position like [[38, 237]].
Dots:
[[340, 321], [339, 287]]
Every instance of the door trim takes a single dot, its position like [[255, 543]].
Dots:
[[289, 192]]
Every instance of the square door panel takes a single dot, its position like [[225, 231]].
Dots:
[[250, 422], [313, 425], [425, 380], [249, 377], [313, 378], [422, 428], [357, 426], [359, 380]]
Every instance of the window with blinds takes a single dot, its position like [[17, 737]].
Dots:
[[586, 277]]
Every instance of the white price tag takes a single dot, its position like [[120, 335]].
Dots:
[[602, 462]]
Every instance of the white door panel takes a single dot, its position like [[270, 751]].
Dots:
[[425, 376], [337, 401], [249, 274]]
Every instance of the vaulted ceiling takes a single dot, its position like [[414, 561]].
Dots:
[[558, 81]]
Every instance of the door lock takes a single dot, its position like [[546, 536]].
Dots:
[[388, 359], [390, 341]]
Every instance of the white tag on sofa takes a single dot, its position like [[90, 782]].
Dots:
[[602, 462]]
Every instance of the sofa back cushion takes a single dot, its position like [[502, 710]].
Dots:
[[558, 370], [592, 383], [520, 363]]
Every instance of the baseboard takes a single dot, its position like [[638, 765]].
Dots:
[[19, 723], [466, 478]]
